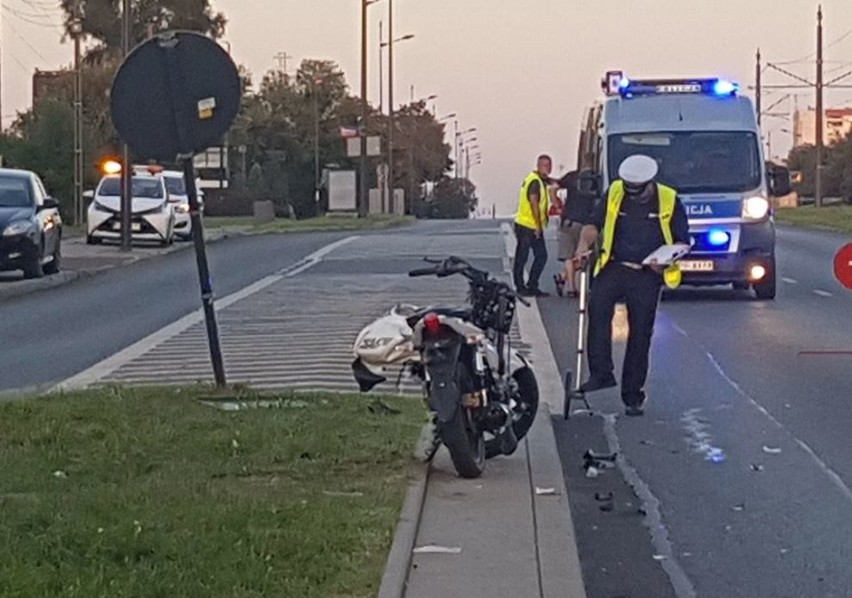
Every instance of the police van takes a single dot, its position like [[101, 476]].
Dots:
[[707, 142]]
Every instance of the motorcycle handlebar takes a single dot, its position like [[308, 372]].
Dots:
[[423, 272]]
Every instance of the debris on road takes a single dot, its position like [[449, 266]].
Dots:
[[432, 549]]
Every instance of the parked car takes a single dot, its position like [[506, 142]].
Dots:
[[180, 200], [152, 216], [31, 226]]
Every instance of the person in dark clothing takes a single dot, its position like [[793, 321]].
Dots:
[[576, 213], [638, 217], [530, 223]]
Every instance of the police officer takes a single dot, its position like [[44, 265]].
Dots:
[[530, 222], [638, 216]]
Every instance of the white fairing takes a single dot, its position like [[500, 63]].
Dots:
[[390, 341], [385, 342]]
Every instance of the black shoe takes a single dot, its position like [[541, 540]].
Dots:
[[635, 409], [560, 284], [593, 384], [524, 292]]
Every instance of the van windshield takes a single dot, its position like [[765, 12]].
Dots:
[[695, 162]]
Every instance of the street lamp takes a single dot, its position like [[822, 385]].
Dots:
[[458, 143], [391, 108], [316, 82], [363, 201]]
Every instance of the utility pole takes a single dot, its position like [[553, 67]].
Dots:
[[456, 149], [363, 199], [316, 140], [819, 113], [819, 86], [391, 119], [126, 180], [77, 32], [381, 70], [282, 58], [757, 92]]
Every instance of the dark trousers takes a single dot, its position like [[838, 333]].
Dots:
[[640, 290], [528, 241]]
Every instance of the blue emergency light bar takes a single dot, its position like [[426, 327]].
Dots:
[[627, 88]]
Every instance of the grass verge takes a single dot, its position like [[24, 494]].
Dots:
[[323, 223], [837, 218], [148, 492]]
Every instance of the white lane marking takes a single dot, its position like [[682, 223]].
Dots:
[[101, 370], [822, 293], [821, 464], [653, 519], [789, 280]]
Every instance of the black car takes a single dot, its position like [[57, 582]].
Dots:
[[30, 225]]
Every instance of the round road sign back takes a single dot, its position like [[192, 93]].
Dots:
[[843, 266], [175, 95]]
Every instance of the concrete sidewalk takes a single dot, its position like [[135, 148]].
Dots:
[[508, 533]]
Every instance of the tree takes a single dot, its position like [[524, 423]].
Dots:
[[41, 141], [453, 198], [102, 20]]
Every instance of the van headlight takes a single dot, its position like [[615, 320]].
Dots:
[[755, 208]]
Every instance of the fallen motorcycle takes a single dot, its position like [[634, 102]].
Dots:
[[482, 393]]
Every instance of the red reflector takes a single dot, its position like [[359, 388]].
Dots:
[[431, 323]]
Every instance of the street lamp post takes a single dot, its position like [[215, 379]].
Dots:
[[363, 189], [391, 106], [316, 82], [77, 32], [126, 178]]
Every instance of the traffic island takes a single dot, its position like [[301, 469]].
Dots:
[[328, 223], [838, 218], [149, 491]]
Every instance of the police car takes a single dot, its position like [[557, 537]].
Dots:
[[707, 142]]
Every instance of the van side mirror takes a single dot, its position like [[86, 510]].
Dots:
[[589, 183], [89, 194], [779, 181]]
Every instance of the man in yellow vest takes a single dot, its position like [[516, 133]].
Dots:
[[637, 217], [530, 223]]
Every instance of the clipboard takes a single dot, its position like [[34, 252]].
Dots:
[[666, 254]]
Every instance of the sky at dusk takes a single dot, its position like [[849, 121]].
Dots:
[[520, 72]]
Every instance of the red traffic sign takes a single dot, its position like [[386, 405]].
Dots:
[[843, 266]]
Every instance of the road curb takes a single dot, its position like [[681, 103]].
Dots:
[[27, 287], [398, 563]]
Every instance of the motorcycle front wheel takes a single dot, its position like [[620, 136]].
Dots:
[[464, 443], [527, 407]]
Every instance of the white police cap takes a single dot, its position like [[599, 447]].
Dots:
[[638, 169]]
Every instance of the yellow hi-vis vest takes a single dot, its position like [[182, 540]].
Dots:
[[525, 217], [667, 195]]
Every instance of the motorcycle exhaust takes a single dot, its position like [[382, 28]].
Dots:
[[501, 415]]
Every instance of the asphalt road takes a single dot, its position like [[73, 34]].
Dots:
[[737, 481], [51, 335]]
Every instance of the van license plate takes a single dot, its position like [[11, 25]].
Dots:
[[696, 266]]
